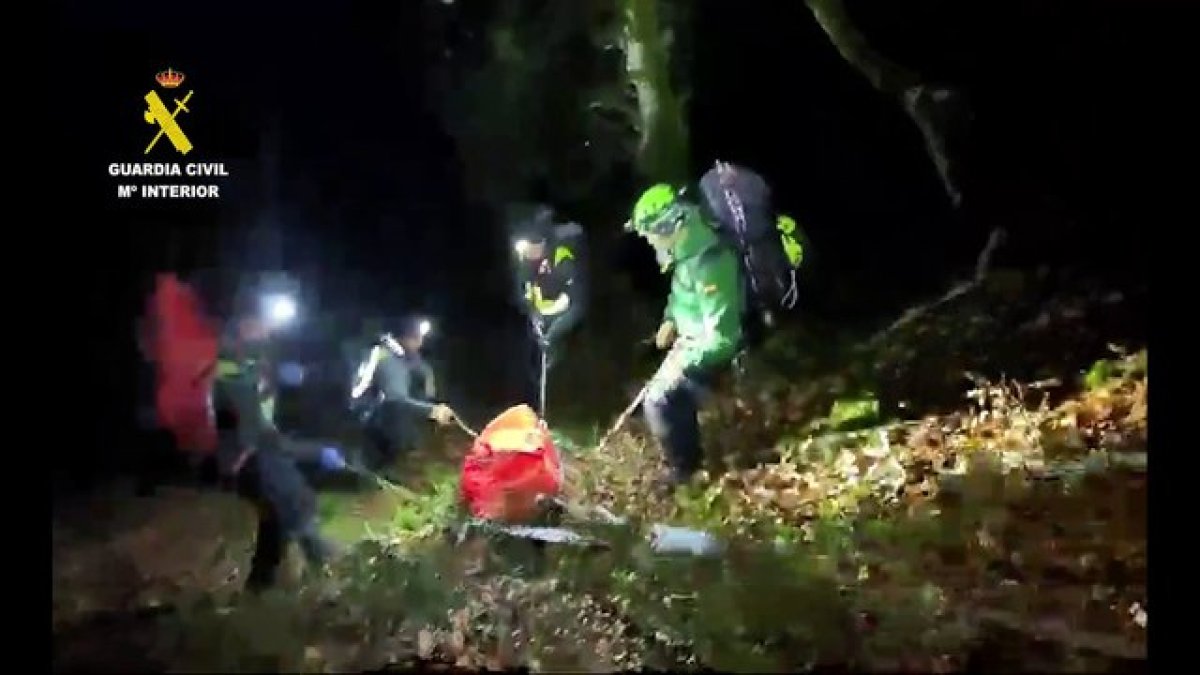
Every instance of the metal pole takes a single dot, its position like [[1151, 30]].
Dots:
[[623, 417], [542, 385]]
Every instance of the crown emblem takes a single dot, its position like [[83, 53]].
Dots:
[[170, 79]]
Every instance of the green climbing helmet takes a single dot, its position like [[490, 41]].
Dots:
[[658, 211]]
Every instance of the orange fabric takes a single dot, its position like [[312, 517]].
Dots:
[[510, 465]]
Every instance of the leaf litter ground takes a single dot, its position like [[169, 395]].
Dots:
[[1007, 531]]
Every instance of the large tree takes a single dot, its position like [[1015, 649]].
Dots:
[[648, 35], [564, 94]]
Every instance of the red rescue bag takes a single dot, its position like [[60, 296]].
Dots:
[[511, 464], [183, 345]]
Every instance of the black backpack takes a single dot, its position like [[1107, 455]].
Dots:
[[739, 202]]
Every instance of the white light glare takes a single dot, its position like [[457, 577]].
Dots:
[[424, 328], [521, 246], [281, 309]]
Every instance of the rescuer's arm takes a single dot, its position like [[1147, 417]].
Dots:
[[573, 268], [399, 393]]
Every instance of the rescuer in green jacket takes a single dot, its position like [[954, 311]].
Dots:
[[702, 322]]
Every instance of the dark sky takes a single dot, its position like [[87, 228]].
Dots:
[[1049, 155], [359, 174], [364, 198], [365, 180]]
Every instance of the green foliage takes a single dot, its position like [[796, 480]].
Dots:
[[1105, 372], [432, 509], [382, 581], [1099, 374], [392, 514], [854, 413]]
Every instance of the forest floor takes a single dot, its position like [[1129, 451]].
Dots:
[[964, 490]]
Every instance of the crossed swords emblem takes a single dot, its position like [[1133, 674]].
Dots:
[[157, 114]]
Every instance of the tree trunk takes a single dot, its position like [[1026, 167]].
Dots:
[[938, 111], [663, 150]]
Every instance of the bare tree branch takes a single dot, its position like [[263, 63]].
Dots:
[[981, 269], [883, 74], [938, 111]]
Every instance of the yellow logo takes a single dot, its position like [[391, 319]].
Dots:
[[157, 113]]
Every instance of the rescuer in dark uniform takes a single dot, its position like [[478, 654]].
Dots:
[[250, 453], [551, 280], [398, 374]]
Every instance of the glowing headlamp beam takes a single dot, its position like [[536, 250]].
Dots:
[[280, 309]]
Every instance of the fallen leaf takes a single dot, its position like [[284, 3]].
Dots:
[[458, 642], [1139, 615], [424, 643]]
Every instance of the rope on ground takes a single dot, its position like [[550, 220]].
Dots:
[[386, 484]]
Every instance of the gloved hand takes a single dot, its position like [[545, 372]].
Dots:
[[442, 414], [665, 337], [539, 330], [332, 459], [291, 374]]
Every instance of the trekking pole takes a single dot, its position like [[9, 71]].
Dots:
[[641, 396], [624, 416]]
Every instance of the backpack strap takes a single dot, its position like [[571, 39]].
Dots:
[[793, 292]]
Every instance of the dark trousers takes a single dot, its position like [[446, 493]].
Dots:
[[287, 512], [394, 430], [673, 421]]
